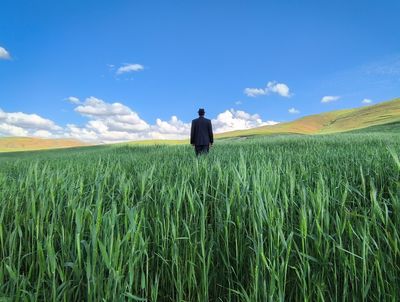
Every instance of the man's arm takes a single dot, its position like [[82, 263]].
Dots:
[[192, 134], [210, 133]]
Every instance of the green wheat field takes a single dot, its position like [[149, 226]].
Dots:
[[280, 218]]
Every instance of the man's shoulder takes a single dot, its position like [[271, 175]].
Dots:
[[201, 119]]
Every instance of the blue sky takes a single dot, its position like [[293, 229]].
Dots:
[[190, 54]]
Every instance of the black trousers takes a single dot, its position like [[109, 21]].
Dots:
[[200, 149]]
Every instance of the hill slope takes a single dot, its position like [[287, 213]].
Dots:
[[331, 122], [10, 144], [384, 117]]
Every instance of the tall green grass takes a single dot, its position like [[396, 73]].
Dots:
[[274, 219]]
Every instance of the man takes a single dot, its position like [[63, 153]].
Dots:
[[201, 135]]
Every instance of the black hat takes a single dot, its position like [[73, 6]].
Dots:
[[201, 111]]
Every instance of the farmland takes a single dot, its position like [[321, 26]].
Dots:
[[10, 144], [283, 218]]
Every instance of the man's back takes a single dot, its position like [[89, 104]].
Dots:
[[201, 133]]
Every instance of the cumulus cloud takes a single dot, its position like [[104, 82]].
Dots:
[[366, 101], [96, 107], [11, 130], [4, 54], [43, 134], [112, 122], [279, 88], [174, 125], [23, 124], [271, 87], [293, 111], [172, 129], [330, 98], [231, 120], [116, 122], [27, 121], [129, 68], [108, 122]]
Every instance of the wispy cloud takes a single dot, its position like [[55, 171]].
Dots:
[[272, 87], [127, 68], [73, 100], [253, 92], [386, 67], [366, 101], [4, 54], [293, 111], [330, 98]]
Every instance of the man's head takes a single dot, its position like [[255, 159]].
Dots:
[[201, 112]]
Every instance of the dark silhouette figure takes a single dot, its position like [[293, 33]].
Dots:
[[201, 135]]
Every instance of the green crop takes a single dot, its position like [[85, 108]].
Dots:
[[286, 218]]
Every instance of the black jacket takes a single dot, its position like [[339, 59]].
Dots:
[[201, 133]]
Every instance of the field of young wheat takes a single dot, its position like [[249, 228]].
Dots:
[[287, 218]]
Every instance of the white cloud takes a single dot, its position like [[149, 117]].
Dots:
[[366, 101], [112, 122], [81, 133], [271, 87], [238, 103], [11, 130], [27, 121], [293, 111], [96, 107], [174, 125], [116, 122], [22, 124], [73, 100], [330, 98], [279, 88], [230, 120], [108, 122], [4, 54], [43, 134], [253, 92], [172, 129], [129, 68]]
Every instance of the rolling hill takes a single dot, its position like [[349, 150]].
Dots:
[[331, 122], [383, 116], [10, 144]]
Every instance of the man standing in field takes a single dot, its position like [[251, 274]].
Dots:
[[201, 135]]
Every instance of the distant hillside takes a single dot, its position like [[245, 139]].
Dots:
[[381, 117], [331, 122], [389, 127], [10, 144]]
